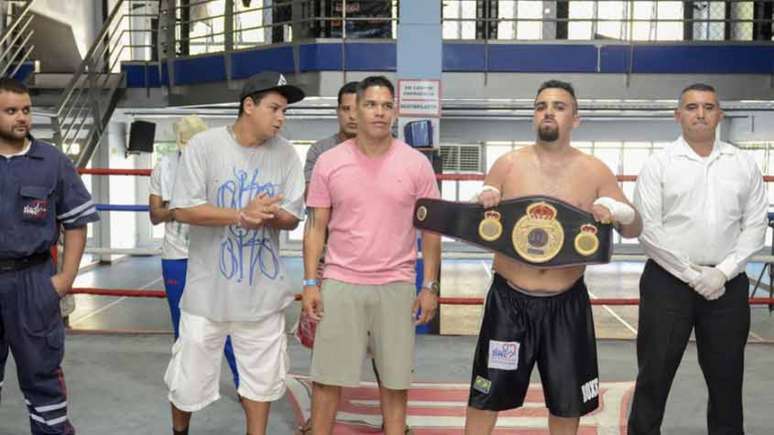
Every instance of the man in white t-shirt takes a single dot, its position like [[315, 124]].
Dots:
[[174, 249], [237, 186]]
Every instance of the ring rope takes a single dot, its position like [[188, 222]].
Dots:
[[442, 177], [133, 293]]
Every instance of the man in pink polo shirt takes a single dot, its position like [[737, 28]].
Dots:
[[363, 192]]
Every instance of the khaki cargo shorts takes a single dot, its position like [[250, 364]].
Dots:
[[351, 312]]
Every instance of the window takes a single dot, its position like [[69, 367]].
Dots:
[[634, 20], [459, 19]]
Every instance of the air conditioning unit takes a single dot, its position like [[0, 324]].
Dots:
[[462, 158]]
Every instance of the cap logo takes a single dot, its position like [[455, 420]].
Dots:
[[281, 81]]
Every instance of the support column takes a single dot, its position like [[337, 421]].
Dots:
[[100, 192], [418, 91]]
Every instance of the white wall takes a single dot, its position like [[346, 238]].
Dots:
[[123, 225], [751, 126], [84, 16]]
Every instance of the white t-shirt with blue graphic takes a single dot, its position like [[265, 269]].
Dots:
[[236, 274]]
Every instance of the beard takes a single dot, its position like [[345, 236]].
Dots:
[[13, 135], [548, 133]]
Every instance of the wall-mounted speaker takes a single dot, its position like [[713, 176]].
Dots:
[[141, 136]]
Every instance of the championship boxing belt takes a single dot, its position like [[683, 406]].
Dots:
[[537, 230]]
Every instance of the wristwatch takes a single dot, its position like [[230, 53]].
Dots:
[[311, 282], [433, 286]]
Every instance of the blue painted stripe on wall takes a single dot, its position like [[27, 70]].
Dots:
[[463, 57], [24, 70], [320, 57], [470, 57], [200, 69], [614, 59], [246, 63], [135, 74], [374, 56], [714, 59], [542, 58]]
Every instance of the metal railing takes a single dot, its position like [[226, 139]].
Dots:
[[15, 46], [163, 30], [207, 26], [159, 31], [621, 20]]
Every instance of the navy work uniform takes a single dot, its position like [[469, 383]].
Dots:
[[39, 191]]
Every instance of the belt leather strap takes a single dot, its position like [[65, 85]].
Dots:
[[540, 231], [13, 264]]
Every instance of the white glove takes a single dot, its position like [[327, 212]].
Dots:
[[488, 196], [717, 294], [621, 211], [711, 283]]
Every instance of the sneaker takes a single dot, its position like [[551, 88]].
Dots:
[[408, 430]]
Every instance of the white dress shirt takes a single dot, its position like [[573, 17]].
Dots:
[[701, 210]]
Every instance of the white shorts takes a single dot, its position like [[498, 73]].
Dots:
[[260, 350]]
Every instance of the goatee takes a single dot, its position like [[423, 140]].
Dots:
[[548, 134]]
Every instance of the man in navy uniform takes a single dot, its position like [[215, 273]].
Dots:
[[40, 192]]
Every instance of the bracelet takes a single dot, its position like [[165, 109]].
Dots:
[[311, 282], [433, 288]]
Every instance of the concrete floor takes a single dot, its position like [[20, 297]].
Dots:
[[116, 387]]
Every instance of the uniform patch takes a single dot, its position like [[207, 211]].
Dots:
[[590, 389], [503, 355], [482, 385], [36, 209]]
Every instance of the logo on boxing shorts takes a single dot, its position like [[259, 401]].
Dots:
[[503, 355], [482, 384], [36, 209], [590, 389]]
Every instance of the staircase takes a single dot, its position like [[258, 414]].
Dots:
[[72, 110], [15, 46]]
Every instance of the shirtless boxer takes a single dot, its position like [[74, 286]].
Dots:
[[543, 315]]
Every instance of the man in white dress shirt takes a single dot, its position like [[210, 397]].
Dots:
[[703, 205]]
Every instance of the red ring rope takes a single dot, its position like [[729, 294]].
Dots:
[[442, 177], [132, 293]]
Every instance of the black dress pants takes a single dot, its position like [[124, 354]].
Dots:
[[669, 310]]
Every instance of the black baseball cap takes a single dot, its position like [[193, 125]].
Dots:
[[271, 81]]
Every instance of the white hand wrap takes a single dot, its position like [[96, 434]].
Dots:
[[621, 211], [485, 188]]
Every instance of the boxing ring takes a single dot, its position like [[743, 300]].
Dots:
[[766, 260], [111, 360]]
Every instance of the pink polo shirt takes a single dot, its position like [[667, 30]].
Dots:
[[371, 236]]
